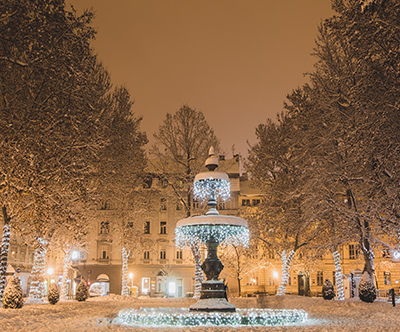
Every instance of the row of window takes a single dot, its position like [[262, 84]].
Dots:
[[162, 254], [251, 202]]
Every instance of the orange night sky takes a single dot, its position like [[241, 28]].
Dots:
[[234, 60]]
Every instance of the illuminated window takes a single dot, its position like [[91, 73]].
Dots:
[[145, 285]]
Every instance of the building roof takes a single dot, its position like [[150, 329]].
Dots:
[[248, 188]]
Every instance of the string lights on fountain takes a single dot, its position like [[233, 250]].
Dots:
[[229, 234], [208, 185], [213, 308], [182, 317], [211, 230]]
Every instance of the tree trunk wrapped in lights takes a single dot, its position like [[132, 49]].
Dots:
[[339, 275], [286, 260], [5, 245], [198, 273], [67, 259], [36, 291], [124, 259]]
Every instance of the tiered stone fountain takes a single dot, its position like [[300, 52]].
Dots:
[[213, 308], [211, 230]]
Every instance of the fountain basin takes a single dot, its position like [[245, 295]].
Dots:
[[164, 317], [229, 228]]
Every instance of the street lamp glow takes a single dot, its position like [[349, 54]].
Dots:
[[275, 274], [130, 275], [50, 271], [75, 255]]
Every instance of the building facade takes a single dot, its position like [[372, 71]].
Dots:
[[158, 268]]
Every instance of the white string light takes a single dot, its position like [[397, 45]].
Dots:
[[124, 256], [64, 285], [5, 245], [152, 317], [218, 188], [339, 276], [230, 234], [285, 272], [36, 291]]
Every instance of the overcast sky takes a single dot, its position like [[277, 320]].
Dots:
[[234, 60]]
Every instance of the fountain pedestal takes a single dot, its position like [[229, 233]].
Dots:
[[213, 292]]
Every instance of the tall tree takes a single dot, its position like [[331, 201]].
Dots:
[[182, 145], [52, 91], [121, 172], [355, 86], [274, 165]]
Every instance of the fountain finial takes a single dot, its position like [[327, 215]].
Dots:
[[212, 160]]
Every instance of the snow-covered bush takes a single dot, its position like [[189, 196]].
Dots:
[[366, 289], [81, 292], [12, 297], [53, 295], [328, 293]]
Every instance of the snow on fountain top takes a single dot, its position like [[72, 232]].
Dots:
[[212, 220]]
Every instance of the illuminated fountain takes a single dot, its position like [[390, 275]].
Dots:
[[213, 308], [211, 230]]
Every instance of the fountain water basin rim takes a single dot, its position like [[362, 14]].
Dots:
[[152, 317]]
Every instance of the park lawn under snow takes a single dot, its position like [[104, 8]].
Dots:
[[98, 314]]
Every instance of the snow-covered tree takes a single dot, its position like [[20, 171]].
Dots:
[[121, 168], [355, 93], [12, 298], [53, 87], [53, 294], [366, 288], [82, 292], [182, 145], [274, 165], [328, 293]]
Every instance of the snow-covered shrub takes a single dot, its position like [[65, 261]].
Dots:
[[81, 292], [53, 295], [328, 293], [366, 289], [12, 297]]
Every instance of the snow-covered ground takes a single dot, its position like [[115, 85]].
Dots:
[[98, 314]]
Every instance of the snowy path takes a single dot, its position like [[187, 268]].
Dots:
[[97, 314]]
